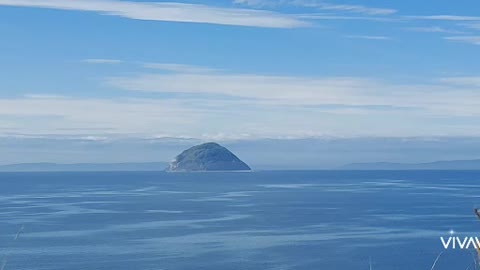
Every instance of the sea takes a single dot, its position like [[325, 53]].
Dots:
[[306, 220]]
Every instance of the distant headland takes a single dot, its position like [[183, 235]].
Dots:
[[207, 157], [437, 165], [83, 167]]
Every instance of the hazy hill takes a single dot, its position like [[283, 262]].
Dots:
[[55, 167], [437, 165]]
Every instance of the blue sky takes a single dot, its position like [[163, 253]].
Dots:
[[239, 69]]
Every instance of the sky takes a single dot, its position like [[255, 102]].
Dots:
[[239, 69]]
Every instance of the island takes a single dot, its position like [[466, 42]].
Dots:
[[207, 157]]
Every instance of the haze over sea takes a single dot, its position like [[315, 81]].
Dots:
[[258, 220]]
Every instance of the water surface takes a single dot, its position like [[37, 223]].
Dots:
[[260, 220]]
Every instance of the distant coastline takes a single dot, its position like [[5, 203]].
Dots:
[[160, 166], [436, 165], [83, 167]]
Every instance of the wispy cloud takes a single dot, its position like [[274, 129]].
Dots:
[[446, 18], [169, 11], [50, 115], [369, 37], [299, 89], [467, 81], [102, 61], [348, 8], [260, 3], [340, 94], [322, 5], [433, 29], [323, 16], [179, 68], [459, 26], [194, 103], [475, 40], [229, 118], [473, 25]]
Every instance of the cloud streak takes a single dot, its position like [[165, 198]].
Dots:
[[300, 89], [475, 40], [369, 37], [102, 61], [472, 25], [463, 81], [179, 68], [322, 5], [349, 8], [446, 18], [63, 115], [353, 95], [195, 103], [433, 29], [172, 12]]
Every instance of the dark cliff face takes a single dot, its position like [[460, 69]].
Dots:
[[207, 157]]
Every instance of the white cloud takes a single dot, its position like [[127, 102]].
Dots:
[[179, 68], [467, 24], [70, 116], [102, 61], [43, 96], [446, 18], [168, 11], [319, 5], [348, 8], [369, 37], [475, 26], [323, 16], [259, 3], [236, 119], [475, 40], [257, 106], [467, 81], [339, 95], [433, 29], [328, 90]]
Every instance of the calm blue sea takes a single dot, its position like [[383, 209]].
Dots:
[[262, 220]]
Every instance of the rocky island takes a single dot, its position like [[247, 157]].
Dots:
[[207, 157]]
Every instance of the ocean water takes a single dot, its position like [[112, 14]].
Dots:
[[261, 220]]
